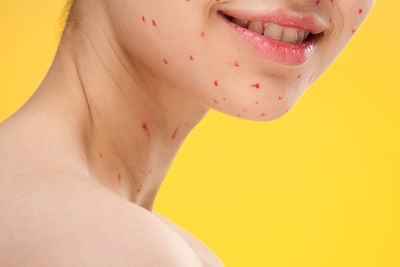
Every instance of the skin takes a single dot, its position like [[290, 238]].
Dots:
[[130, 81]]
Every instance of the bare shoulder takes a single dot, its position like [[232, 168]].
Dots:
[[73, 225], [205, 254]]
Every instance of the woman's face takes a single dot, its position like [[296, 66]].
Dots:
[[252, 59]]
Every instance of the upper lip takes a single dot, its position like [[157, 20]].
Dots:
[[283, 17]]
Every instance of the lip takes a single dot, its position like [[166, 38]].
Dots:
[[283, 17], [283, 53]]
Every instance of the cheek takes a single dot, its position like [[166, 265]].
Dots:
[[348, 16], [188, 52], [354, 13], [345, 18], [157, 38]]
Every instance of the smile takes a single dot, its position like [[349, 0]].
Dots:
[[279, 35]]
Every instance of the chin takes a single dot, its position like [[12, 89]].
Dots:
[[268, 101]]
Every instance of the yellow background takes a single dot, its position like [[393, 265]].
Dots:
[[318, 187]]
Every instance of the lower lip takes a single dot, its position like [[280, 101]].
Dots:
[[283, 53]]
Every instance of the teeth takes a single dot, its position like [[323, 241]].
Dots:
[[306, 33], [274, 31], [289, 35], [240, 22], [300, 36], [256, 26]]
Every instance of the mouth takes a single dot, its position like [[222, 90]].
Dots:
[[280, 36]]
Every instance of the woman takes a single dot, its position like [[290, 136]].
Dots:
[[83, 160]]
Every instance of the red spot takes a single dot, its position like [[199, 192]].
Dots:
[[330, 20], [83, 159], [119, 178], [143, 19], [236, 63], [286, 110], [165, 61], [353, 31], [224, 98], [256, 85], [144, 126], [279, 97], [360, 11], [332, 1], [150, 171], [216, 83], [244, 110], [215, 101], [263, 114], [299, 76], [101, 155], [191, 57], [311, 77], [256, 102], [238, 115], [317, 2], [202, 34], [174, 134], [154, 23], [138, 189]]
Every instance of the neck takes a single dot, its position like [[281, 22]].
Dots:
[[129, 121]]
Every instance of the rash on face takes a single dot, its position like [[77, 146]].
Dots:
[[231, 69]]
